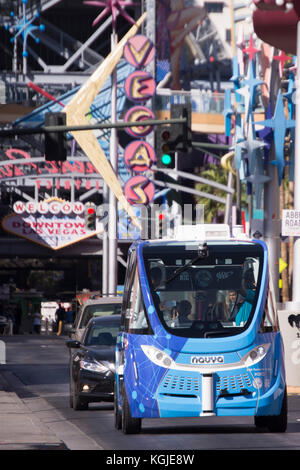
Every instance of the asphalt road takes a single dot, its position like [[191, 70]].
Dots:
[[37, 370]]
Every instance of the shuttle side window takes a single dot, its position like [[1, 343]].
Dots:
[[270, 319], [130, 274], [136, 320]]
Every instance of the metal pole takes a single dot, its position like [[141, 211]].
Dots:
[[228, 207], [296, 254], [271, 200], [105, 246], [112, 210], [272, 224]]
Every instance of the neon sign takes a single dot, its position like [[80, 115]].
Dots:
[[139, 155], [139, 51], [53, 223], [19, 162], [139, 113]]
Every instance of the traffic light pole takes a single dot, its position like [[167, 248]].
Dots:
[[113, 205], [110, 125], [105, 248]]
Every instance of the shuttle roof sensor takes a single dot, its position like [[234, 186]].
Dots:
[[200, 232]]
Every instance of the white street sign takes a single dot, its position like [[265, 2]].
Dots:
[[290, 224]]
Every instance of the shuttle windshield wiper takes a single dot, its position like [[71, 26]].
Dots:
[[202, 254]]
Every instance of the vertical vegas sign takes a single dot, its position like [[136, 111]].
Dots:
[[140, 86], [53, 223]]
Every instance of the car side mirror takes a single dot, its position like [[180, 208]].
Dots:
[[73, 344]]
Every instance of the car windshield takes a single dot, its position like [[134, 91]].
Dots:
[[99, 310], [104, 334], [210, 295]]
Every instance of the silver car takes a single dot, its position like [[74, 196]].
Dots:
[[94, 308]]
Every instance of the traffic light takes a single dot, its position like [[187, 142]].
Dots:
[[182, 133], [161, 225], [165, 155], [55, 142], [90, 216]]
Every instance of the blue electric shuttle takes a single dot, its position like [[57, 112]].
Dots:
[[199, 332]]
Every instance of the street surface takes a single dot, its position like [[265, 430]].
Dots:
[[37, 370]]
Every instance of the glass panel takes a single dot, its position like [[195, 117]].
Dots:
[[99, 310], [207, 295], [102, 335], [136, 320]]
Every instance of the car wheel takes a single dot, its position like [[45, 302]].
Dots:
[[277, 423], [117, 414], [78, 403], [130, 425]]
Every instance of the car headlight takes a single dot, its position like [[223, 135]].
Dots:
[[160, 358], [256, 354], [95, 366]]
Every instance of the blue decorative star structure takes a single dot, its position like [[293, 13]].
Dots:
[[235, 79], [235, 71], [249, 90], [25, 28], [228, 111], [238, 139], [291, 162], [279, 124], [258, 179], [290, 94], [251, 145]]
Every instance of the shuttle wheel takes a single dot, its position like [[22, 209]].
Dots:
[[129, 425]]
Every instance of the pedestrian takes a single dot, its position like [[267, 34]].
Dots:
[[60, 315], [37, 321], [69, 316]]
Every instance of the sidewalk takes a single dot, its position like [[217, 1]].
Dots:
[[29, 422], [20, 429]]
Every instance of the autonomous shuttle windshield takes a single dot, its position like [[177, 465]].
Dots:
[[204, 290]]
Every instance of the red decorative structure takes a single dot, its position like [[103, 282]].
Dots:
[[276, 24]]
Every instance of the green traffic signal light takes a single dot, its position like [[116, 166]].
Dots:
[[164, 147], [166, 159]]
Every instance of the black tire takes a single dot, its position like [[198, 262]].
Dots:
[[117, 413], [276, 423], [78, 402], [129, 425]]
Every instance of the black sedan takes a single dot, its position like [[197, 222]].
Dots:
[[92, 362]]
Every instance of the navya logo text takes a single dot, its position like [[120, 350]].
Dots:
[[207, 359]]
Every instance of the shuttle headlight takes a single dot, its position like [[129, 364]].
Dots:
[[160, 358], [256, 354]]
